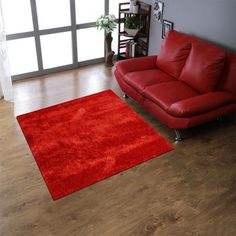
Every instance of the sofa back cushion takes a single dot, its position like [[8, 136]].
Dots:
[[228, 80], [203, 67], [174, 52]]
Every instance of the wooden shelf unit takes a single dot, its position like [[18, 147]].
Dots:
[[142, 38]]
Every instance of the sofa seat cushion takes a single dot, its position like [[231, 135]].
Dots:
[[165, 94], [141, 79], [201, 104], [203, 67], [174, 52]]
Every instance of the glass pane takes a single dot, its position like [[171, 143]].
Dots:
[[115, 40], [22, 55], [17, 16], [53, 13], [88, 48], [56, 49], [114, 6], [89, 11]]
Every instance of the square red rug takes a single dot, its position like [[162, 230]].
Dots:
[[80, 142]]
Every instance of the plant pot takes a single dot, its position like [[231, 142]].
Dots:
[[131, 32]]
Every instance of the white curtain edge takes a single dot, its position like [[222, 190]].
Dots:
[[6, 89]]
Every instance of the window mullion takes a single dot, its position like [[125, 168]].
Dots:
[[106, 10], [74, 34], [37, 35]]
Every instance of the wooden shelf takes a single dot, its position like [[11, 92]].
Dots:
[[140, 12], [123, 56], [138, 35], [141, 40]]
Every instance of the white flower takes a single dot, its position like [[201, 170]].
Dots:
[[105, 21]]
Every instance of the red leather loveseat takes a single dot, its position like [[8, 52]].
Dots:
[[190, 82]]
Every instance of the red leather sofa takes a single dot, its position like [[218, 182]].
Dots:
[[190, 82]]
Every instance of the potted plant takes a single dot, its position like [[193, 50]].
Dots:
[[132, 25], [107, 23]]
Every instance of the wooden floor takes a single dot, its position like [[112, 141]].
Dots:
[[189, 191]]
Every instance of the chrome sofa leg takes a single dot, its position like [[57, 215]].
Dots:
[[178, 136], [125, 96]]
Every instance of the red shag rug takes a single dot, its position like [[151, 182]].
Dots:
[[80, 142]]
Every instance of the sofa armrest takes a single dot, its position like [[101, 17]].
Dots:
[[201, 104], [136, 64]]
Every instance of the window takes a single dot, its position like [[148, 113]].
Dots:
[[17, 16], [89, 11], [56, 49], [52, 35], [23, 55], [88, 48], [53, 13]]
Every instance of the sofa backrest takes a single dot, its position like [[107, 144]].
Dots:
[[202, 65], [228, 79], [174, 52]]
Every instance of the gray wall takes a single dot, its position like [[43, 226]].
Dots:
[[213, 20]]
